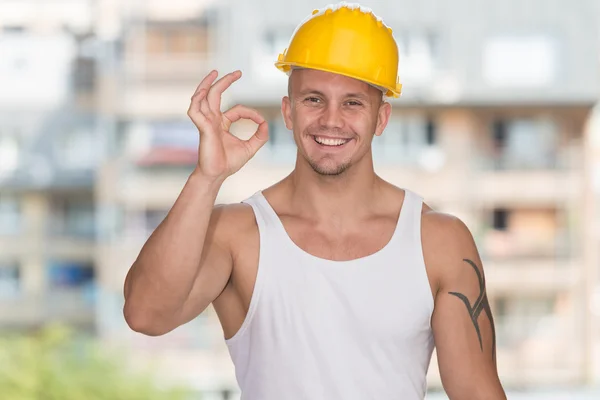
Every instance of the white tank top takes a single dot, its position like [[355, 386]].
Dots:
[[321, 329]]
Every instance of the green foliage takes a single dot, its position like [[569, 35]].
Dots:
[[56, 364]]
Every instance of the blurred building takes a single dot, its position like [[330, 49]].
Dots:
[[593, 232], [48, 152], [491, 127], [154, 55]]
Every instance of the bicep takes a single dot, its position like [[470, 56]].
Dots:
[[464, 333], [462, 321], [214, 271]]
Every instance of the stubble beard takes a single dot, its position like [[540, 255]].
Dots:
[[327, 169]]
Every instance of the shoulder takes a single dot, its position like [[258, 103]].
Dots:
[[449, 248], [235, 212], [445, 230], [230, 223]]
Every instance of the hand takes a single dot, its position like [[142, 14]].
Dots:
[[221, 153]]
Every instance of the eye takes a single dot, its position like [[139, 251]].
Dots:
[[354, 103], [313, 99]]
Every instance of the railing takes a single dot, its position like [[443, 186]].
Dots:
[[81, 228], [148, 68], [501, 245], [561, 159], [70, 305]]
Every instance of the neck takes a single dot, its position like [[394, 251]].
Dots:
[[339, 199]]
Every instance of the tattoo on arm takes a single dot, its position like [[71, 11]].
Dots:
[[481, 304]]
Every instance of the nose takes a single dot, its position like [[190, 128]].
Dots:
[[332, 117]]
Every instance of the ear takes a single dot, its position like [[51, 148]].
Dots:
[[383, 116], [286, 111]]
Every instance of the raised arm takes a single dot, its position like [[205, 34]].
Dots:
[[186, 262], [462, 321]]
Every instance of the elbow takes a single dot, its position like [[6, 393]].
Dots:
[[144, 322]]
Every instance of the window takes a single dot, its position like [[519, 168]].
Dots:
[[431, 133], [282, 146], [79, 149], [409, 140], [13, 29], [177, 40], [9, 153], [35, 70], [522, 318], [73, 218], [500, 217], [10, 215], [165, 143], [526, 233], [70, 274], [71, 286], [393, 142], [525, 143], [79, 219], [174, 134], [84, 70], [499, 130], [520, 61], [272, 42], [10, 279], [418, 52], [111, 221]]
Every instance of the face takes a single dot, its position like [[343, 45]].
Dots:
[[333, 118]]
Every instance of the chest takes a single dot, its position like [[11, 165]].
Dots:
[[383, 301], [339, 244]]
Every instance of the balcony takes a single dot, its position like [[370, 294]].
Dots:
[[69, 305], [165, 69], [536, 259], [528, 161], [159, 85], [532, 275], [528, 187], [70, 231], [74, 248], [541, 239]]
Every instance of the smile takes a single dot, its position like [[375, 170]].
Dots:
[[324, 141]]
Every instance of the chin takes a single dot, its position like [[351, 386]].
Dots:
[[326, 169]]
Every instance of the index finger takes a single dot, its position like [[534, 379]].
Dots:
[[242, 112], [216, 91]]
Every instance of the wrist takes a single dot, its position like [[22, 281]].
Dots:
[[212, 182]]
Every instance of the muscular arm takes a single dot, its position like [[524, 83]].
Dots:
[[462, 322], [184, 265]]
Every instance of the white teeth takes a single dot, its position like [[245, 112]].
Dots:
[[330, 142]]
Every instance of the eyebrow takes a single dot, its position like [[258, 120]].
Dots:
[[358, 95], [310, 91]]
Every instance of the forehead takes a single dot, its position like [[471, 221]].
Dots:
[[303, 80]]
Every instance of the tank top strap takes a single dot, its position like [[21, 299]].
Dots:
[[408, 229], [259, 213], [270, 228], [415, 215]]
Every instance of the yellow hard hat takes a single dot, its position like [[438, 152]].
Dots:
[[349, 40]]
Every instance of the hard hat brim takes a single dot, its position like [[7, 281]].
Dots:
[[287, 66]]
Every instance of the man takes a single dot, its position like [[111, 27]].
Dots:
[[332, 283]]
